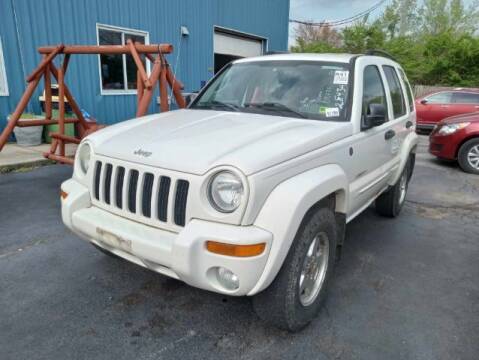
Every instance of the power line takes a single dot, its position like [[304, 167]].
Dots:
[[341, 21]]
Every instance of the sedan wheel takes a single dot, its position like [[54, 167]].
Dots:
[[473, 157], [468, 156]]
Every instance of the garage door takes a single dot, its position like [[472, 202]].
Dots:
[[228, 47]]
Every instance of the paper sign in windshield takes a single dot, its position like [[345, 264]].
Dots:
[[341, 77], [332, 112]]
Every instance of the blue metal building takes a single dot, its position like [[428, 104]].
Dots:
[[205, 35]]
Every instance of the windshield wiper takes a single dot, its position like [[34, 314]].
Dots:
[[217, 103], [276, 106]]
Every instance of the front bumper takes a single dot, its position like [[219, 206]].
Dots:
[[443, 146], [180, 255]]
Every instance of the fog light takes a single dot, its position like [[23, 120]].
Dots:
[[227, 278]]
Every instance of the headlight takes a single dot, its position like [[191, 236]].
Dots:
[[449, 129], [84, 154], [225, 191]]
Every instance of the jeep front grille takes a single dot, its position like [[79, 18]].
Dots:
[[140, 193]]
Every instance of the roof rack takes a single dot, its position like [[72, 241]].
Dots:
[[378, 52]]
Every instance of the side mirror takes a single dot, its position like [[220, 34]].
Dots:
[[376, 115], [423, 101], [189, 97]]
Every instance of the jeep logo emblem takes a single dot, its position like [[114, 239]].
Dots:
[[143, 153]]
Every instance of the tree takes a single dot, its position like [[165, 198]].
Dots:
[[452, 60], [307, 33], [437, 43], [441, 16], [361, 37], [400, 18]]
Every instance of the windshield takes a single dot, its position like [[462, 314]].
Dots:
[[302, 89]]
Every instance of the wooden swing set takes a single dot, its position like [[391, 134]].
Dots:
[[160, 73]]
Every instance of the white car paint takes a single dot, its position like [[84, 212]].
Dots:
[[286, 165]]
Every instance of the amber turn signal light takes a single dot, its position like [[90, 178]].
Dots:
[[63, 194], [235, 250]]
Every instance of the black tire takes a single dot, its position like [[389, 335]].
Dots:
[[106, 252], [462, 155], [390, 202], [280, 303]]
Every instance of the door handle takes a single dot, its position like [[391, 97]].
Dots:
[[389, 134], [409, 124]]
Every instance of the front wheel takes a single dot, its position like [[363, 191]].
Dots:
[[295, 296]]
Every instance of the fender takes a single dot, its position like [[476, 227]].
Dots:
[[286, 207], [408, 146]]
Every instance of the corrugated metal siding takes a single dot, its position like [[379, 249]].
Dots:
[[49, 22]]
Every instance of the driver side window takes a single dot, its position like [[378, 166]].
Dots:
[[373, 89]]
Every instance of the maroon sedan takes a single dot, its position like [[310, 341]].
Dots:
[[432, 108], [457, 138]]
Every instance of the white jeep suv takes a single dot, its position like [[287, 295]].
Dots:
[[248, 191]]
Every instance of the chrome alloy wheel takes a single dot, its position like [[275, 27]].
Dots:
[[473, 157], [314, 269], [402, 187]]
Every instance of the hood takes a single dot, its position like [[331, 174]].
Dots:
[[470, 117], [194, 141]]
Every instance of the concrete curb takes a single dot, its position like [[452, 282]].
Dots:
[[24, 166]]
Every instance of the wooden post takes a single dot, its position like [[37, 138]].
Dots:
[[66, 61], [176, 86], [139, 64], [148, 93], [48, 94], [140, 87], [163, 90], [61, 109], [18, 111], [109, 49], [46, 60], [82, 122]]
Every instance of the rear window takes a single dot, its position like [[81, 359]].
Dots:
[[395, 90], [410, 96], [465, 98]]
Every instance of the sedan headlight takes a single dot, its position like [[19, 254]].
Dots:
[[225, 191], [449, 129], [84, 154]]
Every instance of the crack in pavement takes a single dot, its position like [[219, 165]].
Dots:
[[464, 207], [19, 250]]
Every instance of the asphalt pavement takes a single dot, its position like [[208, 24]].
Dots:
[[405, 288]]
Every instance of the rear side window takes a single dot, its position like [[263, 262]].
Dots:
[[410, 97], [440, 98], [465, 98], [373, 88], [395, 90]]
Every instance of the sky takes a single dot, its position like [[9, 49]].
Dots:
[[319, 10]]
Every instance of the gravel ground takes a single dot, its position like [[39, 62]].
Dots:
[[406, 288]]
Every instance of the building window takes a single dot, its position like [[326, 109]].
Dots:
[[3, 73], [118, 72]]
